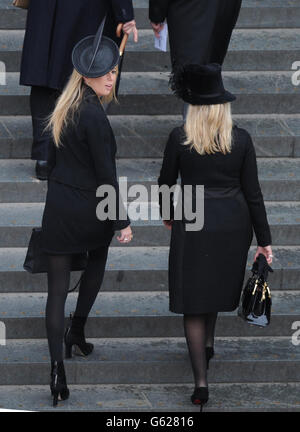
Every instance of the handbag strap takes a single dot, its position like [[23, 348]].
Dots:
[[261, 267]]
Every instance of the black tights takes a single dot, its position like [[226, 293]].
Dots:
[[199, 332], [58, 286]]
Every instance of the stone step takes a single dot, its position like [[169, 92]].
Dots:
[[250, 49], [279, 178], [155, 361], [142, 267], [146, 136], [137, 314], [269, 13], [18, 219], [147, 93], [114, 398]]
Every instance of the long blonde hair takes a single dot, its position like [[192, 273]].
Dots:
[[208, 128], [68, 103]]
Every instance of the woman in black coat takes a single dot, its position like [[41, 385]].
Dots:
[[53, 28], [207, 265], [82, 160]]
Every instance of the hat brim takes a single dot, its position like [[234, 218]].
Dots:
[[195, 99], [107, 57]]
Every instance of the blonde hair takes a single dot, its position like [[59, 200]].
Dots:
[[68, 103], [208, 128]]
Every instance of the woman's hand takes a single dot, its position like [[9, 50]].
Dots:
[[266, 251], [157, 28], [130, 27], [126, 235], [168, 224]]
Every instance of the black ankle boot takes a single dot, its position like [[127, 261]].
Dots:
[[58, 384], [74, 335], [209, 354]]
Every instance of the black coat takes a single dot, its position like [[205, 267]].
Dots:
[[199, 30], [54, 27], [207, 267], [85, 161]]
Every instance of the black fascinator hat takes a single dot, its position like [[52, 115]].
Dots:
[[200, 84], [95, 56]]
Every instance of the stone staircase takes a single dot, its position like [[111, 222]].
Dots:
[[140, 360]]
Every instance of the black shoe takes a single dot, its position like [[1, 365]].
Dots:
[[209, 354], [41, 169], [74, 335], [200, 396], [58, 384]]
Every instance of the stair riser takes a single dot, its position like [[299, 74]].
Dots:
[[148, 326], [259, 17], [148, 236], [151, 372], [169, 105], [153, 147], [36, 191], [160, 61]]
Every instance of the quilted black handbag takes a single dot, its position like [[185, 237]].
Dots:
[[256, 302], [36, 259]]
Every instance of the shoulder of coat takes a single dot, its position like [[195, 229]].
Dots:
[[241, 133], [90, 112]]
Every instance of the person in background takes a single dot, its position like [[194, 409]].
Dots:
[[199, 30], [207, 266], [53, 27]]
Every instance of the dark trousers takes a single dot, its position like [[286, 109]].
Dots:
[[42, 103]]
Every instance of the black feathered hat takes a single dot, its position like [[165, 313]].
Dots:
[[95, 56], [200, 84]]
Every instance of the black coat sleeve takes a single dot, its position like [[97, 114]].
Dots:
[[169, 170], [123, 10], [158, 10], [102, 151], [252, 192]]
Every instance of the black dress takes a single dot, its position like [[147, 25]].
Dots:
[[199, 30], [85, 161], [207, 267]]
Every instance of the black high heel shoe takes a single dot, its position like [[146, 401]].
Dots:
[[74, 335], [200, 396], [209, 354], [58, 384]]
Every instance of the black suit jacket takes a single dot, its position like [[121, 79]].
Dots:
[[199, 30], [86, 158]]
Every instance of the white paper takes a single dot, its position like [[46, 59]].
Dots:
[[161, 42]]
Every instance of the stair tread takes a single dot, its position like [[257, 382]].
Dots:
[[125, 304], [276, 39], [30, 214], [156, 83], [145, 258], [147, 169], [155, 397]]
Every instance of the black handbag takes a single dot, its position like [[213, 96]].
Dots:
[[256, 302], [36, 260]]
